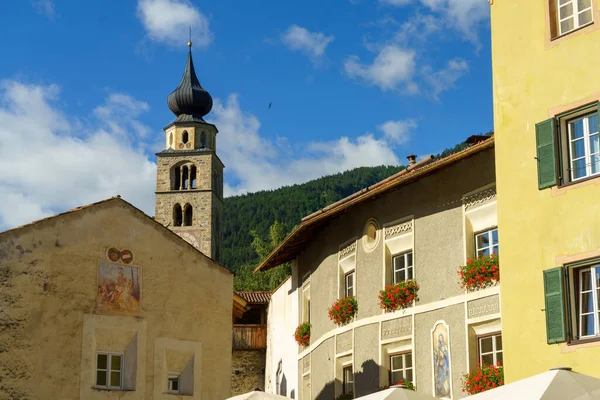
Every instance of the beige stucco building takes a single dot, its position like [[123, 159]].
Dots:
[[422, 223], [105, 302]]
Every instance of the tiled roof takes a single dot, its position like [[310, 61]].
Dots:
[[296, 240], [261, 297]]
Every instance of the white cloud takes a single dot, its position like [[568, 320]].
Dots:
[[313, 44], [397, 131], [392, 68], [444, 79], [254, 163], [168, 21], [45, 7], [51, 162]]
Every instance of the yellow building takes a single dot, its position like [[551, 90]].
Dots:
[[545, 66]]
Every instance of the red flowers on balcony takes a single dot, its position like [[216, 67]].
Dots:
[[482, 378], [480, 272], [343, 310], [302, 334], [398, 296]]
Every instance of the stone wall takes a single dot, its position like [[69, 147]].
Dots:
[[247, 371]]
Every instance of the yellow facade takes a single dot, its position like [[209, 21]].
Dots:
[[536, 78]]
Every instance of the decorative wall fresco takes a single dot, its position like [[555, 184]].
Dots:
[[440, 346], [119, 288]]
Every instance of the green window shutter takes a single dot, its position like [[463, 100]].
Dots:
[[546, 154], [556, 329]]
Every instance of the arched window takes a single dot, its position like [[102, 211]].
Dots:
[[188, 214], [203, 140], [177, 215], [185, 137], [176, 178], [193, 176], [184, 177]]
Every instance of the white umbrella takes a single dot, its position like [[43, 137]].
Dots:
[[396, 393], [556, 384], [258, 395]]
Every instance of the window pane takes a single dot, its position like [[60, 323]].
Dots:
[[595, 164], [577, 148], [579, 168], [577, 129], [561, 2], [409, 273], [566, 11], [101, 378], [115, 363], [351, 280], [409, 259], [566, 25], [396, 377], [499, 358], [486, 345], [397, 362], [408, 360], [587, 302], [498, 343], [484, 252], [102, 361], [408, 375], [587, 325], [583, 4], [594, 143], [586, 283], [488, 359], [115, 379], [482, 240], [585, 17], [593, 123], [495, 236]]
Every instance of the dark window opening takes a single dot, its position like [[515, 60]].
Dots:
[[193, 177], [185, 137], [188, 215], [203, 140], [176, 179], [184, 177], [177, 215]]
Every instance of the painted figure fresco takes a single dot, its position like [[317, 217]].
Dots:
[[118, 288], [441, 361]]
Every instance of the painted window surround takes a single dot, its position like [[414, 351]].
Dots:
[[550, 42]]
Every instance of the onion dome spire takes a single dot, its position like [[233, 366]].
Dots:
[[189, 101]]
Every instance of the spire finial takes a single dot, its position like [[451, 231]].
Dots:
[[190, 42]]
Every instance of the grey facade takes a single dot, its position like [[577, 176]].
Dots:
[[436, 218]]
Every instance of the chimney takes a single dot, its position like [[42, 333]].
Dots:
[[412, 160]]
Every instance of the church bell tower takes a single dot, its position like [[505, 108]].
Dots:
[[189, 184]]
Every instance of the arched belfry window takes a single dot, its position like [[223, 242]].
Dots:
[[176, 178], [188, 215], [185, 137], [193, 177], [177, 217], [184, 177], [203, 140]]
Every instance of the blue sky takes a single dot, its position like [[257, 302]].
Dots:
[[83, 88]]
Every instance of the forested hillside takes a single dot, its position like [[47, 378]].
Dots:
[[248, 233]]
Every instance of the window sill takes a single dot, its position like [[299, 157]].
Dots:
[[551, 42], [575, 345], [565, 187], [572, 31], [102, 388]]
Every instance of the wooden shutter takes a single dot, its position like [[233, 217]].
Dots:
[[556, 330], [546, 153], [553, 18]]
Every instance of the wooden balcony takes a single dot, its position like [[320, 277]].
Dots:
[[249, 337]]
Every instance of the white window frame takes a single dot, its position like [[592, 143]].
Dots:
[[494, 351], [404, 369], [587, 135], [406, 267], [171, 377], [351, 287], [349, 383], [574, 15], [306, 302], [494, 248], [108, 370], [580, 292]]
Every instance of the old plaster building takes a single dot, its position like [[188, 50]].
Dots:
[[105, 302], [422, 223], [546, 102]]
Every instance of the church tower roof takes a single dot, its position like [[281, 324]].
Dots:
[[189, 101]]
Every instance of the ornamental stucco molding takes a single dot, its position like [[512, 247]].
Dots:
[[398, 229], [351, 248], [479, 198]]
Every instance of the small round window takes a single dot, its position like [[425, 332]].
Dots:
[[370, 235]]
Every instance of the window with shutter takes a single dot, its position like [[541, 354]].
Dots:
[[556, 331], [546, 153]]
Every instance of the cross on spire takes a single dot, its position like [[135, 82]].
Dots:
[[190, 41]]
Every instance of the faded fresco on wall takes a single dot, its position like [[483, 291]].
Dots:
[[440, 346], [119, 288]]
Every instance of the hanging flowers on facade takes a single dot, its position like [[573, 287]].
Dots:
[[480, 272], [343, 310], [482, 378], [302, 334], [399, 296]]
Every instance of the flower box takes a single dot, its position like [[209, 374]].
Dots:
[[302, 334], [343, 310], [399, 296], [480, 272], [483, 378]]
